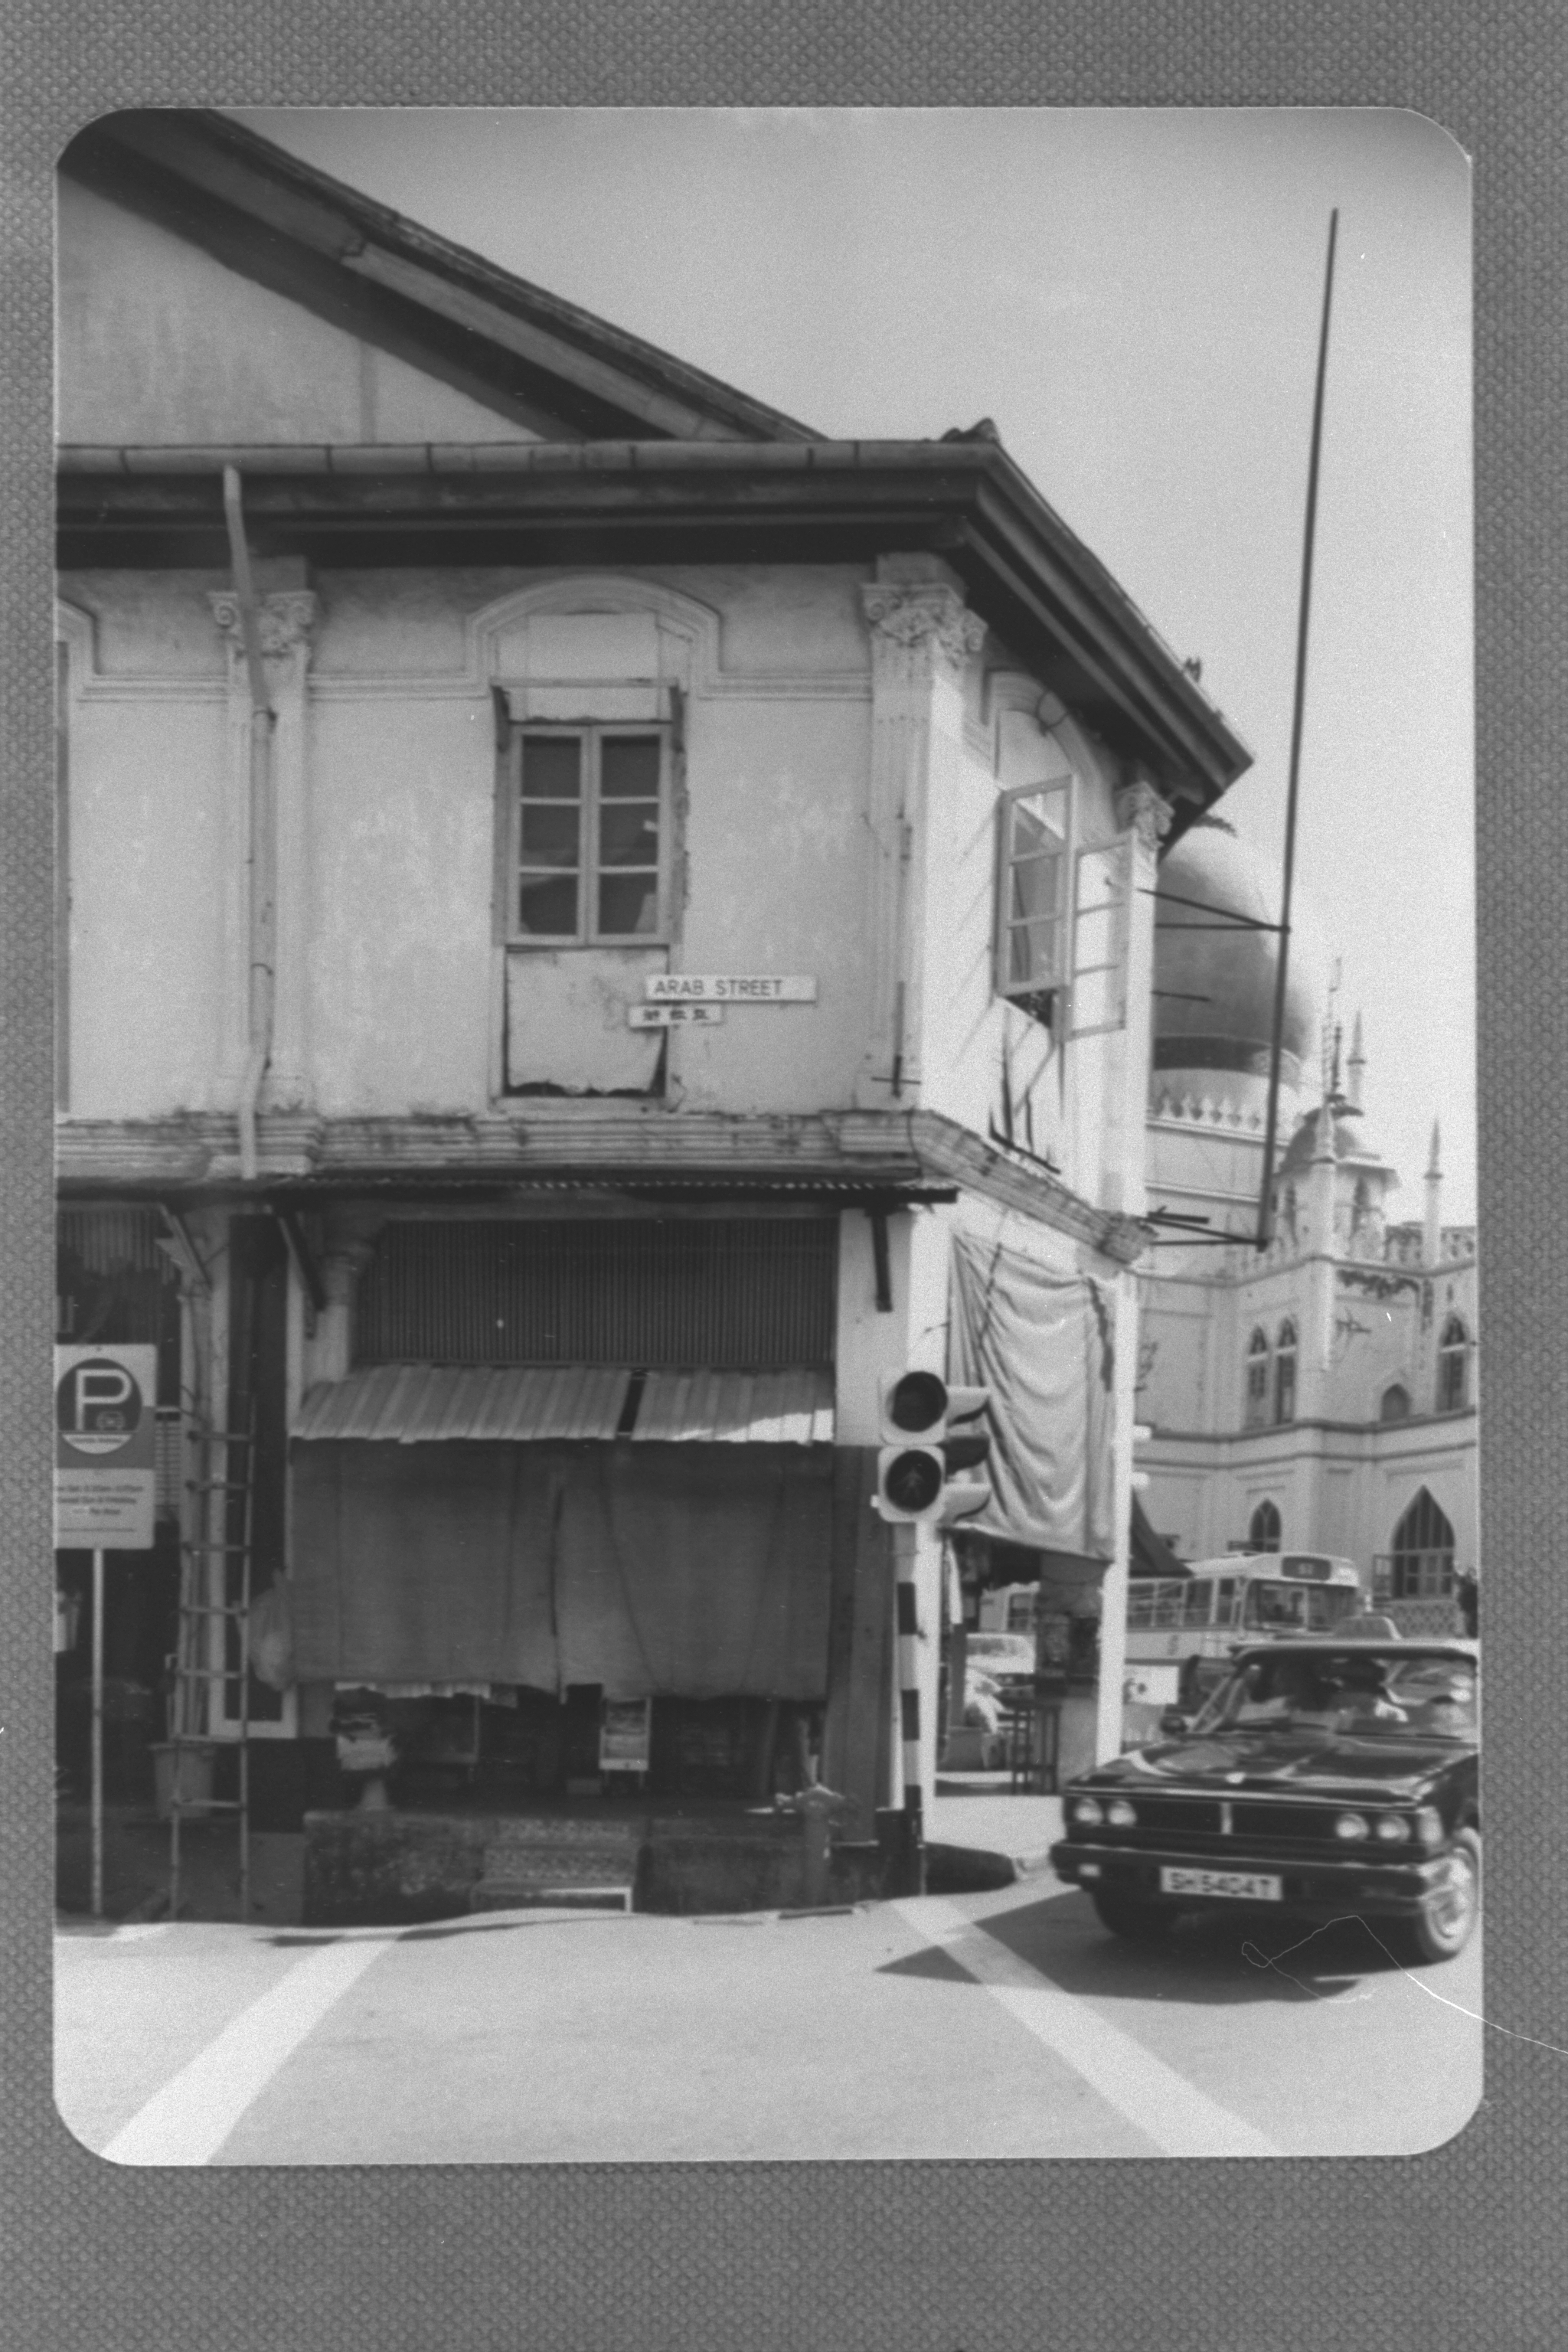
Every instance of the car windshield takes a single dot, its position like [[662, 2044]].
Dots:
[[1373, 1697]]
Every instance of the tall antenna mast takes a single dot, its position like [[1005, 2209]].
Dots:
[[1271, 1130]]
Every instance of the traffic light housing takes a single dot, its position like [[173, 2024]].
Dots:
[[929, 1431]]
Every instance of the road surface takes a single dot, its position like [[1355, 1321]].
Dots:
[[1005, 2024]]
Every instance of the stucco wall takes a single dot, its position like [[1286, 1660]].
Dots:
[[161, 344]]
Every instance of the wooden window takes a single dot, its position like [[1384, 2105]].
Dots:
[[589, 837], [1032, 911], [1061, 914]]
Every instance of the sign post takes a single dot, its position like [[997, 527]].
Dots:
[[105, 1474]]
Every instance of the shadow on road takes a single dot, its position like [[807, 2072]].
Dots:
[[1220, 1962]]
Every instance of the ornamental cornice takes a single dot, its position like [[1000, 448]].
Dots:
[[923, 617], [284, 620]]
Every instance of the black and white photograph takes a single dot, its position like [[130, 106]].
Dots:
[[767, 1340]]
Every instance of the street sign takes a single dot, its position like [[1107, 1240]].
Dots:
[[731, 988], [675, 1017], [105, 1447], [625, 1733]]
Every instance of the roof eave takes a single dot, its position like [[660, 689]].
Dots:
[[1027, 574]]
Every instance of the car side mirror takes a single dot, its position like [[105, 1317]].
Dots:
[[1175, 1725]]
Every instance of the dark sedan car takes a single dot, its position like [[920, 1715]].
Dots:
[[1323, 1780]]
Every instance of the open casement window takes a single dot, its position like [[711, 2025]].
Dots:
[[1033, 865], [1101, 891], [589, 837], [1061, 916]]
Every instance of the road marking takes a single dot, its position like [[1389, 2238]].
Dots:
[[138, 1930], [1160, 2103], [188, 2120]]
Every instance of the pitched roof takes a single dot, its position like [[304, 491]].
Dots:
[[545, 364]]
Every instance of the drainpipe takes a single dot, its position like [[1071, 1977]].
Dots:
[[262, 853]]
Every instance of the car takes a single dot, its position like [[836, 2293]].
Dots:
[[1007, 1660], [1324, 1779]]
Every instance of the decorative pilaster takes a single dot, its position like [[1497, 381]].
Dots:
[[286, 621], [1144, 819], [921, 637]]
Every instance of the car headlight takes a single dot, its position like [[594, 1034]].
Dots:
[[1087, 1811], [1429, 1825], [1120, 1814], [1393, 1828], [1352, 1827]]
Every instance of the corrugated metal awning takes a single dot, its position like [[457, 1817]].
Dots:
[[786, 1407], [417, 1402], [411, 1405]]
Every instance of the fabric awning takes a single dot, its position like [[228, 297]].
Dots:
[[700, 1572], [1040, 1343], [409, 1404], [1150, 1554]]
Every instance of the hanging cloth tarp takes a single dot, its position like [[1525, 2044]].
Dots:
[[1040, 1343], [698, 1572], [1151, 1555]]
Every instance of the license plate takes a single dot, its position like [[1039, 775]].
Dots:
[[1240, 1885]]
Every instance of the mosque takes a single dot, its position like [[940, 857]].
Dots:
[[1318, 1393]]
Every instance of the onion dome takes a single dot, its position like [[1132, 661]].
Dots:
[[1215, 982]]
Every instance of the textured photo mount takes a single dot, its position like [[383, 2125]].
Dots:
[[1463, 2247]]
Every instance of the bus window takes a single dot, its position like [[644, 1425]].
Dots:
[[1224, 1603], [1195, 1603]]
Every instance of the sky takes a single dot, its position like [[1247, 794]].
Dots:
[[1134, 297]]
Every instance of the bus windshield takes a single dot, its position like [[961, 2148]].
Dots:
[[1299, 1608]]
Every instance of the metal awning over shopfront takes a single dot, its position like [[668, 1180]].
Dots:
[[409, 1404]]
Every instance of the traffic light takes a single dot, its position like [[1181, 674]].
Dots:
[[929, 1430]]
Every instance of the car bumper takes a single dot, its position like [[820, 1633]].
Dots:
[[1310, 1888]]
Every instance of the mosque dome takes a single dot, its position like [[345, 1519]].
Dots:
[[1214, 1005]]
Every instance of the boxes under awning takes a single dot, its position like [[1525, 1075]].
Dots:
[[410, 1405]]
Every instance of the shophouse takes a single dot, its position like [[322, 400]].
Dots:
[[596, 925]]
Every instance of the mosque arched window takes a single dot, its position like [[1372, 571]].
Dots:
[[1453, 1366], [1396, 1403], [1285, 1373], [1263, 1529], [1257, 1400], [1421, 1562]]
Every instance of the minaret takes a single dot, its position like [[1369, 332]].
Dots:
[[1354, 1068], [1431, 1238]]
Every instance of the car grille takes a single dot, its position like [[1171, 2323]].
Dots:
[[1187, 1821]]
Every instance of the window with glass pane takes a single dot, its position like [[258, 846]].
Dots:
[[1031, 927], [589, 837]]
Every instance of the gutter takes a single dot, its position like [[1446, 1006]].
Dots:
[[262, 859]]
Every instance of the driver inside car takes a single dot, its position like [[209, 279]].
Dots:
[[1365, 1695]]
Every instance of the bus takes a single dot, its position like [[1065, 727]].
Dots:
[[1182, 1631]]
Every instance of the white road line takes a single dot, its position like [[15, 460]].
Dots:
[[1156, 2099], [188, 2120]]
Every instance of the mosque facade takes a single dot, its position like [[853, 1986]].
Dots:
[[1320, 1392]]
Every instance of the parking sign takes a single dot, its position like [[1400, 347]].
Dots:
[[105, 1446]]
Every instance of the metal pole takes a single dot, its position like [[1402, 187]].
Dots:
[[1266, 1195], [98, 1734]]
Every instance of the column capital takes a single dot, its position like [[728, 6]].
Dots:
[[922, 618], [285, 620], [1139, 808]]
